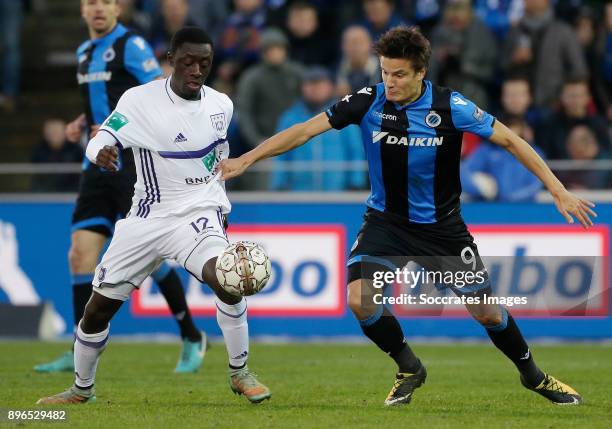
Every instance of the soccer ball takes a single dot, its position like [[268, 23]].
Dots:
[[243, 268]]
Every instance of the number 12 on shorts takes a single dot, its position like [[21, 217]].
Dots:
[[200, 224]]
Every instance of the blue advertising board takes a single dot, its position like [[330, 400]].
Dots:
[[308, 244]]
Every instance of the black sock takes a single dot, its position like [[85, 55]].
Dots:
[[385, 331], [508, 338], [80, 295], [171, 287]]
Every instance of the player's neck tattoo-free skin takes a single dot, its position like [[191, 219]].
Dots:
[[192, 63]]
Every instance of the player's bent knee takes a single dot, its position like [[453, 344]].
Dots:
[[488, 319], [85, 250], [209, 275], [98, 313], [361, 307], [82, 259]]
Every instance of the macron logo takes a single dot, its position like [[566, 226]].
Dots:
[[180, 138]]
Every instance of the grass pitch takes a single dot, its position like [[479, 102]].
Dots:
[[314, 386]]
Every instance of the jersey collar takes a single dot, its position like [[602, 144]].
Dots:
[[177, 100], [118, 31]]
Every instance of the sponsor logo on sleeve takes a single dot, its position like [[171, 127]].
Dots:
[[116, 121], [139, 41]]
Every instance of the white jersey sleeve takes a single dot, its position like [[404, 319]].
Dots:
[[127, 123], [100, 140]]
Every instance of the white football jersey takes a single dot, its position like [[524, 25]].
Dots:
[[177, 144]]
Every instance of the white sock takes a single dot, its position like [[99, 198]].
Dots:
[[232, 320], [87, 350]]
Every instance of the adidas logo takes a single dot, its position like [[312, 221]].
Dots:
[[180, 138], [241, 355]]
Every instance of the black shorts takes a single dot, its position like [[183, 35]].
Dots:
[[104, 197], [387, 243]]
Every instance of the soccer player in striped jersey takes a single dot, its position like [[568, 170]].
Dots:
[[113, 60], [177, 130], [412, 132]]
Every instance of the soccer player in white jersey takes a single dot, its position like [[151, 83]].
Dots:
[[177, 129]]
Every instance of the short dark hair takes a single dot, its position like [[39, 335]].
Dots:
[[302, 5], [189, 35], [576, 79], [517, 77], [405, 42]]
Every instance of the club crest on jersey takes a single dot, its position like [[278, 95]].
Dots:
[[433, 119], [101, 274], [218, 121], [478, 114], [108, 55]]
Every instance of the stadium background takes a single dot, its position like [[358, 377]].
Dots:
[[308, 208]]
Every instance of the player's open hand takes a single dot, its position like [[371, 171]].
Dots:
[[108, 158], [232, 167], [570, 206]]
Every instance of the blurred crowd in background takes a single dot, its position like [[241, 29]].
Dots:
[[543, 67]]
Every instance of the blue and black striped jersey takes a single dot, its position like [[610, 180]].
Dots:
[[109, 66], [413, 151]]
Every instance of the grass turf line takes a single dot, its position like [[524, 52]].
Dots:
[[315, 386]]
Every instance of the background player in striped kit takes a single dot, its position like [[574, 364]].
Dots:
[[412, 132], [112, 61]]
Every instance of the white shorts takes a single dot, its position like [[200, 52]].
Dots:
[[139, 245]]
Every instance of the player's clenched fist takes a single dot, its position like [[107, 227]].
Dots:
[[232, 167], [107, 158]]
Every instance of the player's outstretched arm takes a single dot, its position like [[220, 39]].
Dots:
[[282, 142], [102, 151], [567, 203]]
